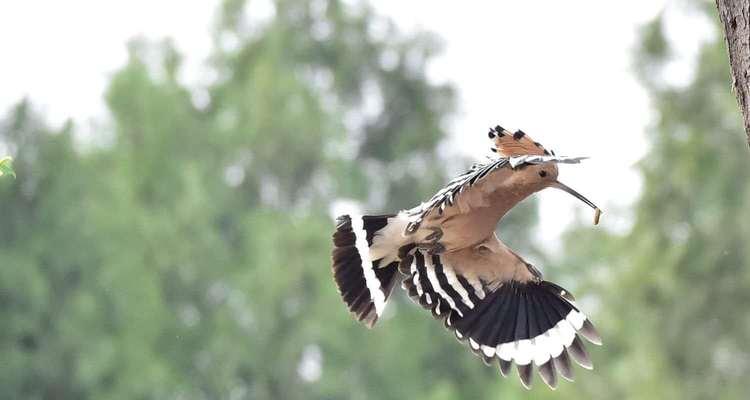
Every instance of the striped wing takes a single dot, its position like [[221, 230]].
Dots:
[[529, 324], [448, 195]]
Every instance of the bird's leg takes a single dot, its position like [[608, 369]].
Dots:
[[436, 234], [431, 242]]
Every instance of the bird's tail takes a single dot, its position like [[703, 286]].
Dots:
[[365, 262]]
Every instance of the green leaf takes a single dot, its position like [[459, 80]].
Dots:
[[6, 167]]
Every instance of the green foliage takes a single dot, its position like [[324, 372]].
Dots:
[[671, 290], [187, 253], [6, 167]]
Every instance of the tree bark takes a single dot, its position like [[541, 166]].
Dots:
[[734, 15]]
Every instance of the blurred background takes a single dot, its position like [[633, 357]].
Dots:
[[180, 164]]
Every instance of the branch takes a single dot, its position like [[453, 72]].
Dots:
[[734, 16]]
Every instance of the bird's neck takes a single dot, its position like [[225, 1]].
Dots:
[[502, 202]]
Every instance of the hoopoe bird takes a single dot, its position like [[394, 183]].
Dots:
[[456, 267]]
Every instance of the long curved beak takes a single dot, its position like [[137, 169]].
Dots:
[[566, 188], [579, 196]]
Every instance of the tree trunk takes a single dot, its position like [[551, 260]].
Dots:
[[734, 16]]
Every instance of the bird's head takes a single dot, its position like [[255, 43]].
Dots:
[[538, 165]]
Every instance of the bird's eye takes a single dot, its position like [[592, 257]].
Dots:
[[542, 173]]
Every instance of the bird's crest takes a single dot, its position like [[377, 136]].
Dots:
[[509, 144]]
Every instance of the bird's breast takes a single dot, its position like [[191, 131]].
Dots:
[[465, 230], [470, 226]]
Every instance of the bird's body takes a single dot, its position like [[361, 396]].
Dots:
[[456, 266], [491, 261], [477, 212]]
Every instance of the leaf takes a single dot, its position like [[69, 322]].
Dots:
[[6, 167]]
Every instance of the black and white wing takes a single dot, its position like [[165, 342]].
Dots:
[[448, 195], [535, 323]]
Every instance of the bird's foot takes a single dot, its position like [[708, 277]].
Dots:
[[436, 234], [431, 243]]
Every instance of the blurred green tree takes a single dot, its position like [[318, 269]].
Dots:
[[6, 167], [672, 291], [184, 252]]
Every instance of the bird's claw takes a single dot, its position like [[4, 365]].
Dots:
[[436, 234], [431, 243], [436, 248]]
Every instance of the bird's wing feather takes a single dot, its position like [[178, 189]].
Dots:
[[469, 190], [506, 317], [458, 188]]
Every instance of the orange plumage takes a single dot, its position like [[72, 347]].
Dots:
[[514, 144]]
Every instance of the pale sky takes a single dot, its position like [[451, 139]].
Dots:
[[561, 71]]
